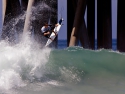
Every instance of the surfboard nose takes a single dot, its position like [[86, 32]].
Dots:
[[61, 20]]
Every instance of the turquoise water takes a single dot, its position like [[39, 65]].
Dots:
[[25, 68]]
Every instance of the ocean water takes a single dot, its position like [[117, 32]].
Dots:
[[26, 68], [63, 44]]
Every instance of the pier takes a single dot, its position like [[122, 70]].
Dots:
[[77, 29]]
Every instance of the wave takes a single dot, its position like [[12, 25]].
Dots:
[[88, 62], [27, 61]]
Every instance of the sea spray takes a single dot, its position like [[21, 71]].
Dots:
[[10, 79], [21, 62]]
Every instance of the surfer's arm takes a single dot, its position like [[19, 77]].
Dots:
[[46, 33]]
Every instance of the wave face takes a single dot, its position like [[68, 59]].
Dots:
[[102, 63], [26, 68]]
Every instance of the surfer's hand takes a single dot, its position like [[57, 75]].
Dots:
[[47, 33]]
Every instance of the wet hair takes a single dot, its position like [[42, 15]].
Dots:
[[46, 24]]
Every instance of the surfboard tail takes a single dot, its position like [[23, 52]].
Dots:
[[48, 42]]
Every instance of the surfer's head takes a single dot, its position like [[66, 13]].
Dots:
[[46, 24]]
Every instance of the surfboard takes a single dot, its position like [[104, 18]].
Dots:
[[54, 34]]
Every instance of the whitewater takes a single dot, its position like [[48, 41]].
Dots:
[[26, 68]]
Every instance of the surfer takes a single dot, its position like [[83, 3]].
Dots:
[[54, 32], [47, 30]]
